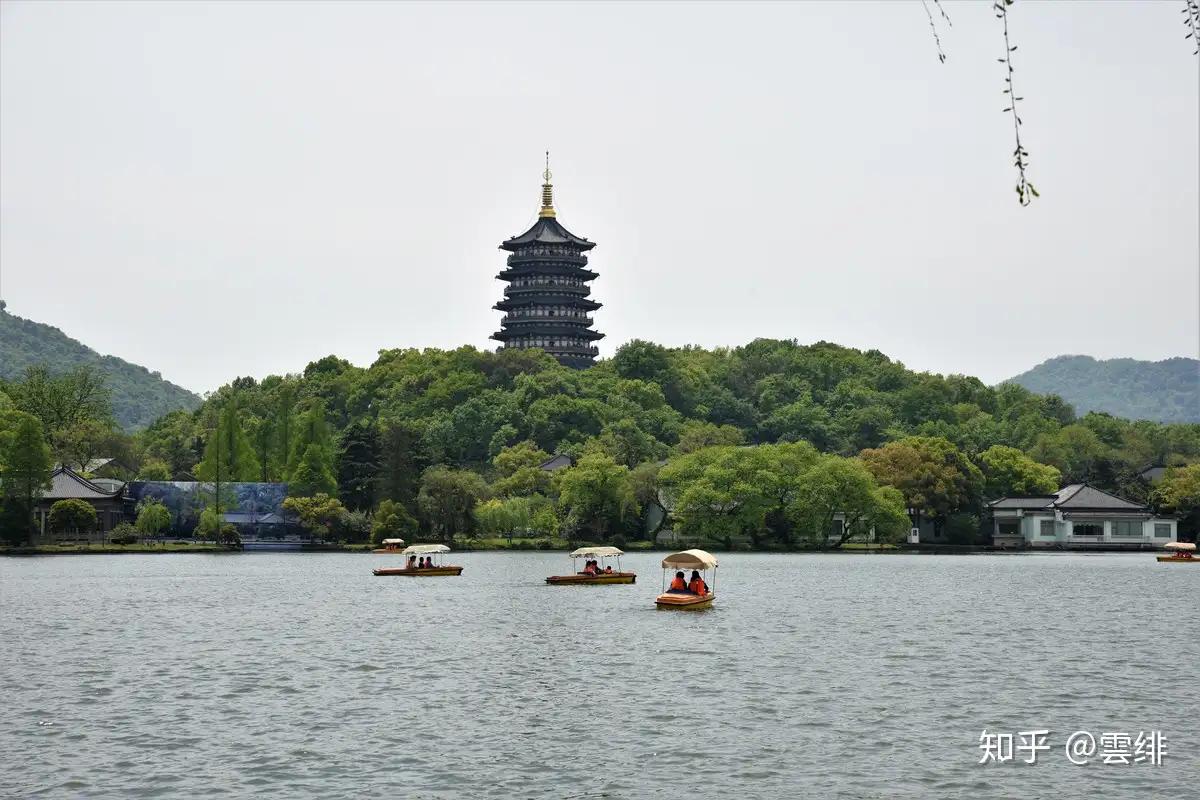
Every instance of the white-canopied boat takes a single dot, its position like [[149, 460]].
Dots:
[[431, 555], [684, 593], [1183, 553], [390, 546], [598, 574]]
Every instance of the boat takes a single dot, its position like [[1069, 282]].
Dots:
[[1182, 555], [433, 552], [697, 561], [600, 554], [389, 546]]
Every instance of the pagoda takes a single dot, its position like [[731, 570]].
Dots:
[[546, 302]]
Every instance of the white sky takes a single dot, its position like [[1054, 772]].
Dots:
[[224, 189]]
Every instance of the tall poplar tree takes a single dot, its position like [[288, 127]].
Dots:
[[25, 469]]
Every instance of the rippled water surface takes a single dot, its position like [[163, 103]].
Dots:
[[858, 676]]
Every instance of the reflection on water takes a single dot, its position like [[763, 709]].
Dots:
[[862, 676]]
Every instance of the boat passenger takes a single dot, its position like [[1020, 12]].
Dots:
[[608, 570], [421, 565], [697, 584], [412, 562], [679, 584], [590, 569]]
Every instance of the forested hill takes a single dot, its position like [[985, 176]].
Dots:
[[139, 396], [1162, 391]]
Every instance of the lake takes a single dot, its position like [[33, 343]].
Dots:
[[855, 676]]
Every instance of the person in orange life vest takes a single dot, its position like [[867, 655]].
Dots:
[[697, 584], [608, 570], [590, 569], [679, 584]]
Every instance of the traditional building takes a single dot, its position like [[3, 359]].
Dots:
[[546, 302], [113, 505], [1079, 516]]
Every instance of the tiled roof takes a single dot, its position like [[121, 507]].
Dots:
[[548, 230], [66, 485], [1075, 497], [1081, 495], [1023, 502]]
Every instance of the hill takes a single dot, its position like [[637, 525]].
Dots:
[[139, 396], [1162, 391]]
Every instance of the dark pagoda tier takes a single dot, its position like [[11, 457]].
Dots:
[[546, 303]]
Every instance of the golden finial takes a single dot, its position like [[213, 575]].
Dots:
[[547, 191]]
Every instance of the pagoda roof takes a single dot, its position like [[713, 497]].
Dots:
[[547, 230]]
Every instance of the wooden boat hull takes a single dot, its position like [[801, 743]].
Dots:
[[420, 573], [385, 550], [1178, 560], [685, 602], [583, 580]]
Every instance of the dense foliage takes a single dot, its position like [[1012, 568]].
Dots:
[[450, 441], [139, 396], [1163, 391]]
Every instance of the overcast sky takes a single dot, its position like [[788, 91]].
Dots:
[[223, 189]]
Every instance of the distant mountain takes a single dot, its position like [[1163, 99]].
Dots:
[[1164, 391], [139, 396]]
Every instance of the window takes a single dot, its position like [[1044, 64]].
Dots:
[[1162, 530], [1047, 529], [1088, 529], [1124, 529]]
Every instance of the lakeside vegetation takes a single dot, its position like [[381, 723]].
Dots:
[[757, 447]]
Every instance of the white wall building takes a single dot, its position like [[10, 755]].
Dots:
[[1079, 516]]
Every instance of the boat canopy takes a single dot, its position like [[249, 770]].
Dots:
[[597, 552], [425, 548], [690, 559], [393, 541], [1179, 546]]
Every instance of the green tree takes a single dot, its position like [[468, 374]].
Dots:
[[80, 443], [1008, 472], [61, 401], [447, 499], [596, 495], [284, 425], [522, 454], [391, 521], [935, 478], [724, 492], [1178, 492], [317, 514], [836, 487], [698, 434], [311, 430], [153, 518], [312, 475], [358, 464], [1075, 450], [72, 516], [504, 517], [229, 454], [25, 470], [154, 469]]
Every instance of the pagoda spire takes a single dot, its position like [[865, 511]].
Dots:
[[547, 191]]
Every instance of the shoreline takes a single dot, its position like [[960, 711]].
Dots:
[[174, 549]]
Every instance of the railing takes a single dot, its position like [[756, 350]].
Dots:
[[580, 318], [556, 288], [575, 258]]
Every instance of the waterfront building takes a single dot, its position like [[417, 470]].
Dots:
[[1079, 516], [547, 300], [106, 495]]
